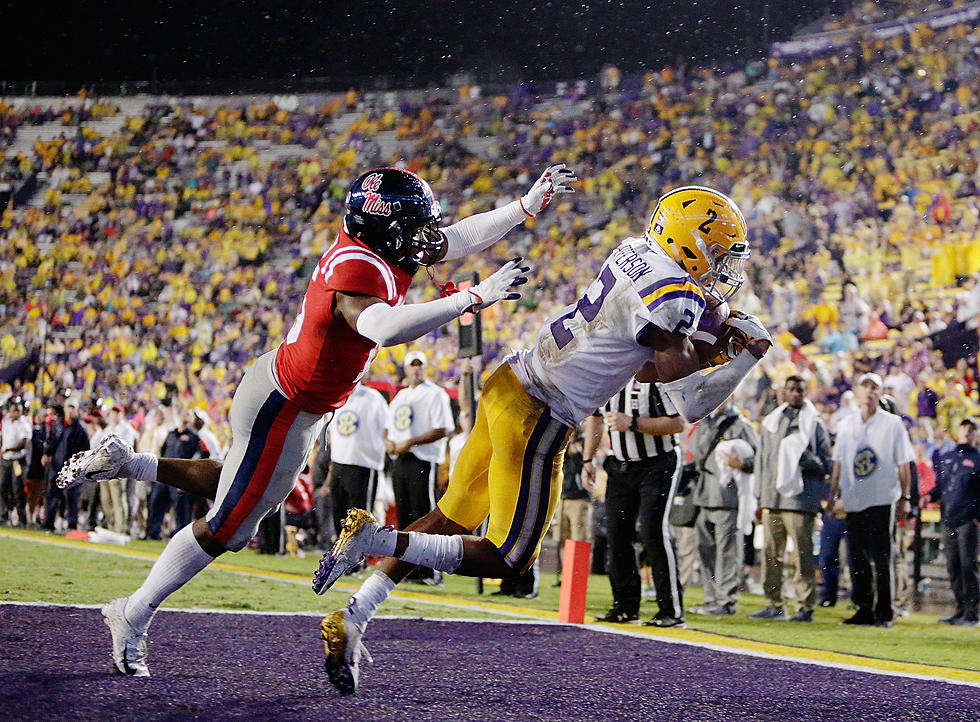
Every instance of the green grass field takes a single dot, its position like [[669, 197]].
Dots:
[[60, 573]]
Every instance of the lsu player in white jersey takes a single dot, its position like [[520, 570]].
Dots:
[[638, 316]]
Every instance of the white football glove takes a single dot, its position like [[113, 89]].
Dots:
[[496, 287], [551, 182], [747, 330]]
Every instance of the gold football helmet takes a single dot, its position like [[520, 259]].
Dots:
[[704, 232]]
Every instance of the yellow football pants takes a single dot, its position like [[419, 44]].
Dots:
[[509, 468]]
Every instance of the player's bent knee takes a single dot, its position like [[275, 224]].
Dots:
[[205, 537]]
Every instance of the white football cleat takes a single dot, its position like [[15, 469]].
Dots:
[[348, 551], [344, 648], [128, 644], [98, 464]]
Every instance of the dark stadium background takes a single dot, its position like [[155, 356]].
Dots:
[[397, 43]]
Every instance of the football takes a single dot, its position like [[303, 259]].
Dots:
[[714, 340]]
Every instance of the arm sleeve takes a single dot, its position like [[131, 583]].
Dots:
[[481, 231], [698, 394], [391, 325]]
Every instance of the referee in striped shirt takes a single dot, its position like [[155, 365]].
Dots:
[[641, 471]]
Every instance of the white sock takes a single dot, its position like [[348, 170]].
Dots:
[[182, 558], [141, 466], [365, 602], [435, 551], [384, 541]]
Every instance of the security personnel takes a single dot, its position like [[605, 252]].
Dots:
[[419, 421], [641, 474], [958, 492]]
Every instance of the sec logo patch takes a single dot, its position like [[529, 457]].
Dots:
[[403, 417], [865, 462], [347, 423]]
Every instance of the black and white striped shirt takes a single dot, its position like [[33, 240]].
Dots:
[[640, 400]]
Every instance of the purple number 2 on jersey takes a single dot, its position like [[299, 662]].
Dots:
[[585, 306]]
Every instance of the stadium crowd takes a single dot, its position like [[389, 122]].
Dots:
[[156, 260]]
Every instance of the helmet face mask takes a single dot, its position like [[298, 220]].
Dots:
[[394, 212], [423, 242], [703, 231], [726, 275]]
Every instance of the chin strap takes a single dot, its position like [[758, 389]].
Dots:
[[445, 289]]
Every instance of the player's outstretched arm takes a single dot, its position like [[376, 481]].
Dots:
[[392, 325], [482, 230], [696, 392]]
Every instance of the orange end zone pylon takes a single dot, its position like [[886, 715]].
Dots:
[[574, 581]]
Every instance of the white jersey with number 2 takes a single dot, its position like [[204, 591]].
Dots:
[[586, 353]]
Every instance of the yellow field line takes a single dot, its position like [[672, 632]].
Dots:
[[683, 636]]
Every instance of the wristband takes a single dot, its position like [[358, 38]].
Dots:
[[634, 426], [906, 498]]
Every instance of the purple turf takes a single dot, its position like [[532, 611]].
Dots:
[[55, 662]]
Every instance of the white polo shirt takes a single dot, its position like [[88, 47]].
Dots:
[[418, 409], [869, 454], [357, 428], [15, 432]]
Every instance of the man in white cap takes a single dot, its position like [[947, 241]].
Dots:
[[419, 421], [871, 483]]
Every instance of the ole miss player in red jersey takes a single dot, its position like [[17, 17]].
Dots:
[[353, 305]]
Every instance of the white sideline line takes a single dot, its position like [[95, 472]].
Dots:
[[269, 577]]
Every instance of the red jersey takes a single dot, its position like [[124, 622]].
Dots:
[[323, 358], [300, 499]]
